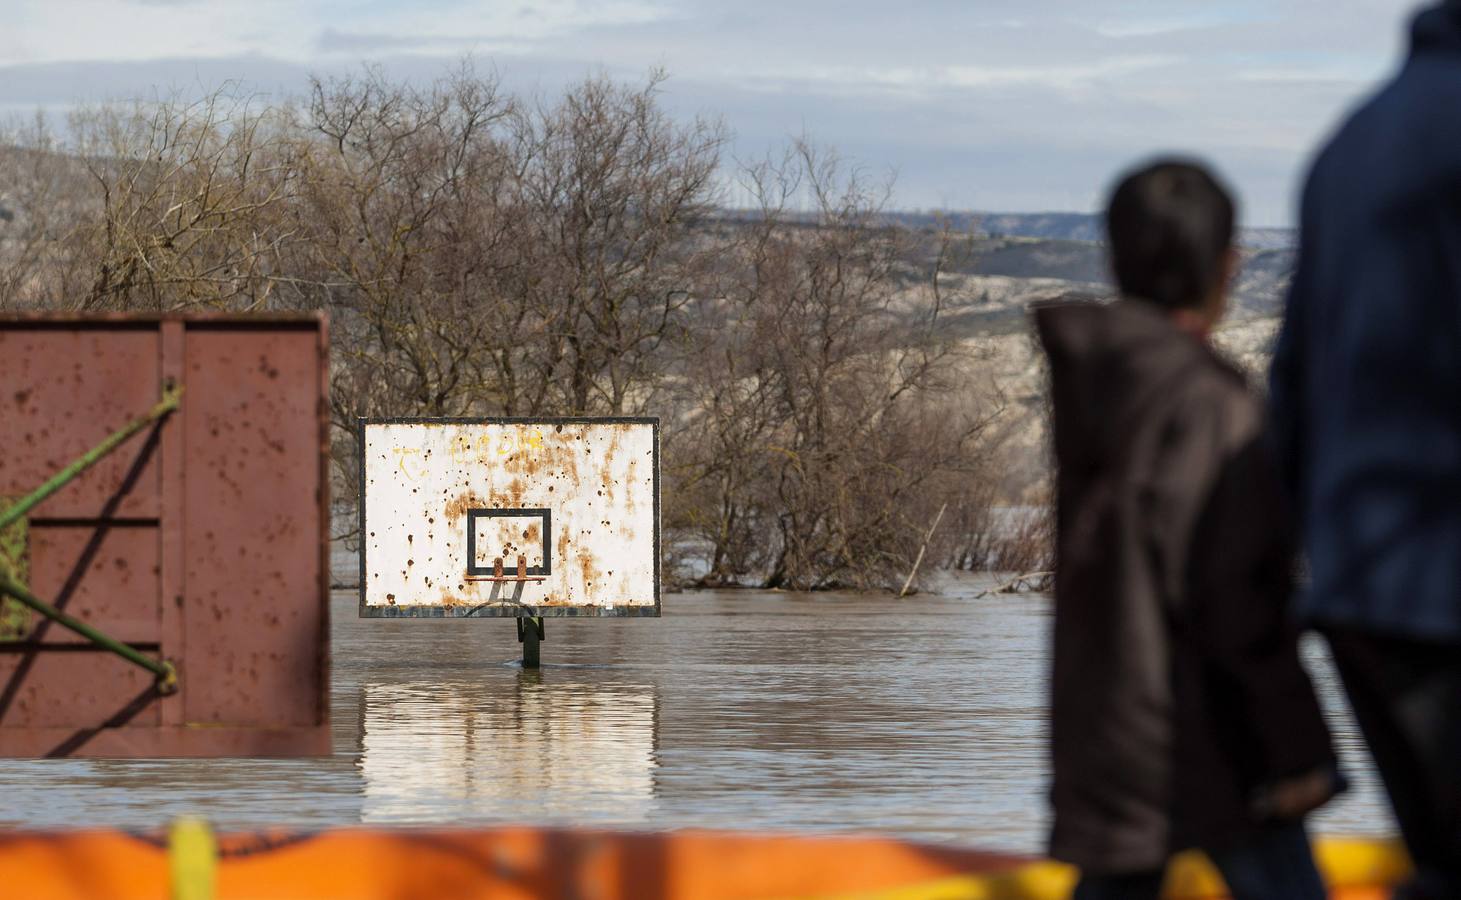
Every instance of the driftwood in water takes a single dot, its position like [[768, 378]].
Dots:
[[1030, 582], [921, 550]]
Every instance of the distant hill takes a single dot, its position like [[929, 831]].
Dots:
[[1067, 260], [1064, 226], [1015, 259], [992, 286]]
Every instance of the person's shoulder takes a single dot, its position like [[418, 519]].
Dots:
[[1353, 133], [1217, 391], [1379, 122]]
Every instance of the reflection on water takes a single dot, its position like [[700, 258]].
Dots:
[[746, 710], [548, 745]]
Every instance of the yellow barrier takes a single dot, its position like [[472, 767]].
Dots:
[[524, 863], [1351, 867], [192, 857]]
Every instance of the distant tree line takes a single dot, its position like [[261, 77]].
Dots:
[[481, 253]]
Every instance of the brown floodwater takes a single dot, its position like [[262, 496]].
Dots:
[[738, 710]]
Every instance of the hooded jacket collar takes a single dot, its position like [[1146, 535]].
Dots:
[[1127, 338], [1112, 365]]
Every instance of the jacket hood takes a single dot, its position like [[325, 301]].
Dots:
[[1109, 365], [1437, 29]]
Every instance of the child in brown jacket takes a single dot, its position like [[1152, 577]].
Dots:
[[1181, 716]]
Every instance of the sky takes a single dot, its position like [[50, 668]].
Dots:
[[1007, 105]]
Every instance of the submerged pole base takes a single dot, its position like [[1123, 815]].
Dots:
[[530, 633]]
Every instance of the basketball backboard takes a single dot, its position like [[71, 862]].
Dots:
[[509, 517]]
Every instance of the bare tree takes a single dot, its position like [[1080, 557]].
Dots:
[[400, 202], [43, 208], [832, 415], [192, 199], [611, 192]]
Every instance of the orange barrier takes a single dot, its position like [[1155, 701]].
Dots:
[[359, 864]]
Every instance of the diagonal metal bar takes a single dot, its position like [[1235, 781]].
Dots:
[[167, 676], [171, 395]]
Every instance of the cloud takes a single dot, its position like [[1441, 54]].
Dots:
[[298, 30], [332, 42], [1297, 75], [930, 81], [995, 103], [1199, 20]]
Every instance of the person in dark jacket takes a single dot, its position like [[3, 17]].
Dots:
[[1366, 412], [1181, 716]]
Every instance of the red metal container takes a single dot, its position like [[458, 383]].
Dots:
[[203, 540]]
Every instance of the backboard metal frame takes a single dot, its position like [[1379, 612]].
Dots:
[[518, 611]]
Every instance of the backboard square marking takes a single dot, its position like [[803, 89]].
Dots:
[[545, 520]]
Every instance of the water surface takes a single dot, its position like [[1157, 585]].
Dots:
[[741, 710]]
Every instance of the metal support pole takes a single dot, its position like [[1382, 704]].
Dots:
[[167, 676], [530, 633], [171, 394]]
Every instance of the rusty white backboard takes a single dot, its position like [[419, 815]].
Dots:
[[449, 507]]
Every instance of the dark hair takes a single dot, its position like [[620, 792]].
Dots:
[[1170, 225]]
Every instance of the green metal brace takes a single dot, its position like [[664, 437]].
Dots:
[[171, 394], [13, 539], [167, 676]]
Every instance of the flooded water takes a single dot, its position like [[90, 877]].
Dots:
[[737, 710]]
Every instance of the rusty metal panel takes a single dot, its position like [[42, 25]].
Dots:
[[42, 688], [510, 517], [105, 574], [65, 390], [253, 493], [202, 540]]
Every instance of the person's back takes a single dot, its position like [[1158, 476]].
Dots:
[[1366, 401], [1177, 694], [1368, 367]]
